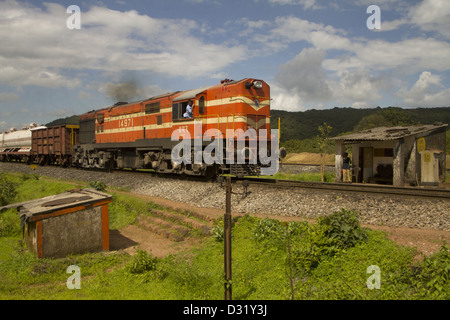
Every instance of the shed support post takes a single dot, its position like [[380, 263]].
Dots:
[[338, 159], [399, 164]]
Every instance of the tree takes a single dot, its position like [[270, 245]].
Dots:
[[372, 121], [322, 142], [389, 117]]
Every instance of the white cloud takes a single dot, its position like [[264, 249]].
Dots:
[[357, 88], [432, 15], [37, 47], [306, 4], [304, 81], [305, 76], [427, 91], [357, 75], [427, 15]]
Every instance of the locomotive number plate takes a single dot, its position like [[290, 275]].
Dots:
[[125, 123]]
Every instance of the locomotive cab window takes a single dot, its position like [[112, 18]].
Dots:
[[178, 109], [100, 118]]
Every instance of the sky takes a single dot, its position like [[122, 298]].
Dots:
[[314, 54]]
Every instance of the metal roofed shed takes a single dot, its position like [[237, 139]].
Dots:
[[69, 223], [396, 155]]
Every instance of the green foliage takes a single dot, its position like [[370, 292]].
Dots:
[[371, 121], [343, 228], [434, 278], [267, 229], [72, 120], [388, 117], [7, 189], [98, 185], [25, 177], [9, 223], [218, 230], [142, 262], [123, 210], [344, 275]]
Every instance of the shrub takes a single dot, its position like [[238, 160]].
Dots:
[[268, 229], [142, 262], [7, 190], [434, 277], [25, 177], [343, 228], [98, 185], [9, 223], [218, 231]]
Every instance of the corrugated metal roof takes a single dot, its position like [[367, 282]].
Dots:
[[388, 133], [191, 94], [69, 199]]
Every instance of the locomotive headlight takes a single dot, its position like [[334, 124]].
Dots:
[[258, 84]]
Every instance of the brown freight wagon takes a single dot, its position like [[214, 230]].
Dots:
[[54, 145]]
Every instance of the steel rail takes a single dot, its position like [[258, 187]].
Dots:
[[354, 187]]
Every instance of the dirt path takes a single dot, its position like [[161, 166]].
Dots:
[[426, 241]]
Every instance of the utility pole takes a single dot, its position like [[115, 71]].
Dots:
[[227, 240]]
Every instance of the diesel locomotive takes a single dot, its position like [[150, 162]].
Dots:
[[141, 134]]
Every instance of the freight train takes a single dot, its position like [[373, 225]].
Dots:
[[39, 144], [228, 122]]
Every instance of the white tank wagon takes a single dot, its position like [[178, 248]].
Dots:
[[16, 144]]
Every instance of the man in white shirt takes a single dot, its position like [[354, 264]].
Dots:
[[189, 113]]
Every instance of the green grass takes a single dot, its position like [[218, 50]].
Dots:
[[271, 260]]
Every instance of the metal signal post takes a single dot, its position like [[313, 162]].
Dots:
[[227, 240]]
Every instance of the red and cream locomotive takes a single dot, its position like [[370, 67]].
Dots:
[[141, 134]]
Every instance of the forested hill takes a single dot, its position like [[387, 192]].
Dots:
[[73, 120], [304, 125]]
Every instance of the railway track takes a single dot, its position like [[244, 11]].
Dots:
[[437, 193], [353, 187]]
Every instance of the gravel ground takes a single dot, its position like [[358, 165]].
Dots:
[[393, 211]]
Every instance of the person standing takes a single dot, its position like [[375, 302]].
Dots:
[[347, 177]]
